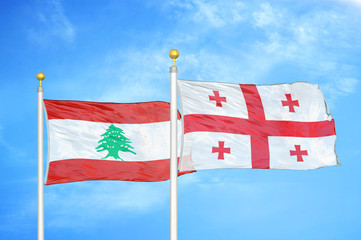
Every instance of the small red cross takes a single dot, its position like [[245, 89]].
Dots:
[[290, 103], [217, 98], [221, 150], [298, 153]]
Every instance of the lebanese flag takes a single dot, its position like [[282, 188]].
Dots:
[[107, 141], [283, 126]]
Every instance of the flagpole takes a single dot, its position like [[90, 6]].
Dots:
[[173, 148], [40, 76]]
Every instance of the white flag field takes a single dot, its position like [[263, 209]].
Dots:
[[283, 126]]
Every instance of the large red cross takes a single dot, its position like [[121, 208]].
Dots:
[[217, 98], [290, 103], [221, 150], [298, 152], [257, 127]]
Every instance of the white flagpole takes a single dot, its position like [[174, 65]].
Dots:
[[40, 76], [173, 148]]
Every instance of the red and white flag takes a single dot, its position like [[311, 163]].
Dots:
[[283, 126], [107, 141]]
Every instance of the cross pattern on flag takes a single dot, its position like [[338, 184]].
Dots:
[[283, 126]]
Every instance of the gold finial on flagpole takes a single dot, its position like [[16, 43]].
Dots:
[[40, 76], [173, 54]]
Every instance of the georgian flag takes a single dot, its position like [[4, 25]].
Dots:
[[283, 126], [107, 141]]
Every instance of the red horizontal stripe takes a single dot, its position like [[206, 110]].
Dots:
[[132, 113], [75, 170], [301, 129], [215, 123]]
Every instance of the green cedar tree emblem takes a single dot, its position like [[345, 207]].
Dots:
[[114, 141]]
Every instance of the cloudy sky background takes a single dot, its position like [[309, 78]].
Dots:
[[117, 51]]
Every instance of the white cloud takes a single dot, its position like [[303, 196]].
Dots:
[[52, 24], [353, 2], [348, 85], [282, 37], [214, 14], [268, 16], [311, 41], [218, 15], [130, 76], [338, 87], [306, 41]]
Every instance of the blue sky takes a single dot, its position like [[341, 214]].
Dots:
[[117, 51]]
